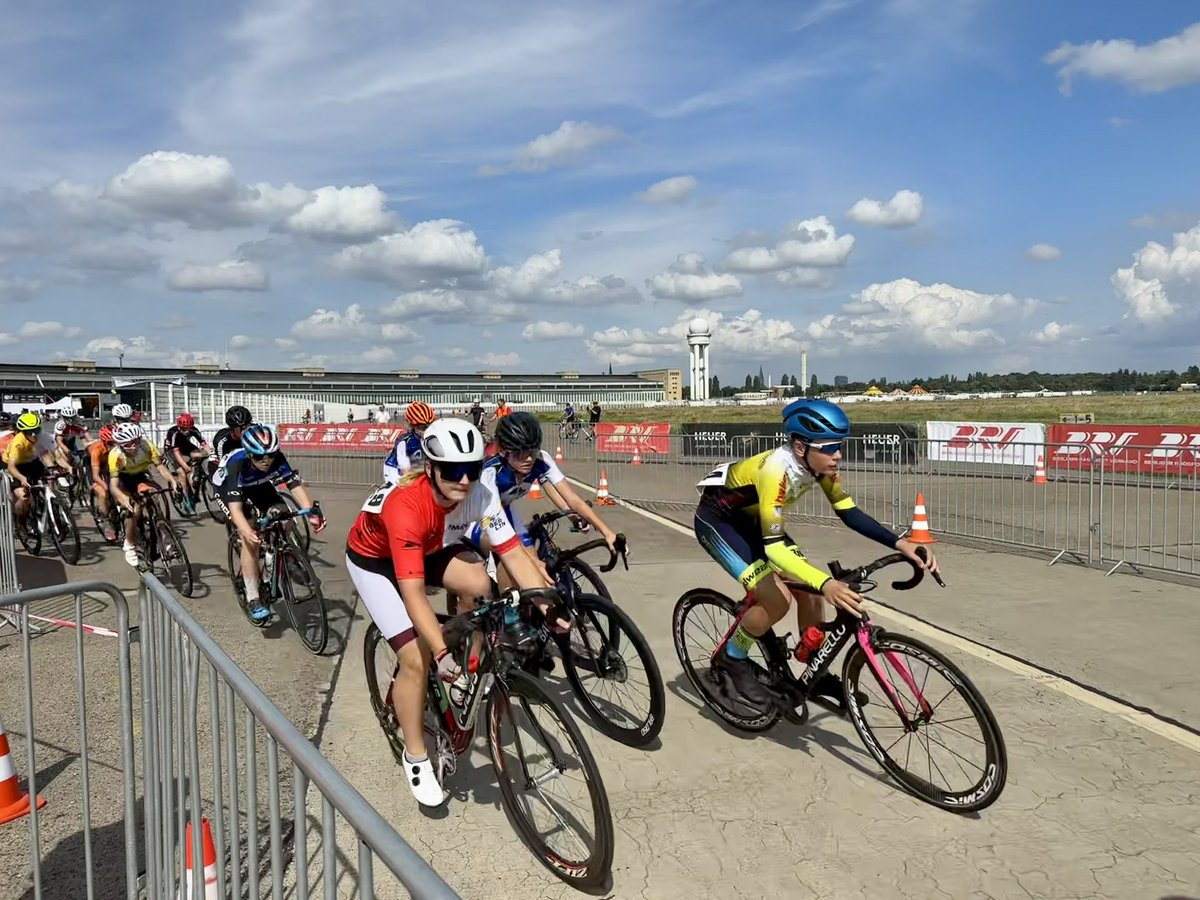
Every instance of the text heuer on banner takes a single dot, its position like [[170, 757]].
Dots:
[[340, 437], [995, 443]]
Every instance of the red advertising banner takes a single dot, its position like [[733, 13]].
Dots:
[[339, 437], [647, 437], [1159, 449]]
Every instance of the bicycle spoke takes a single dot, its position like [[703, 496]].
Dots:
[[930, 737]]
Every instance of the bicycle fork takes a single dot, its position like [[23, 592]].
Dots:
[[885, 682]]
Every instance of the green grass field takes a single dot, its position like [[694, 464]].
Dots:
[[1149, 409]]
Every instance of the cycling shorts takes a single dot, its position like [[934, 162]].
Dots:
[[260, 499], [375, 581], [132, 482], [734, 540], [33, 470]]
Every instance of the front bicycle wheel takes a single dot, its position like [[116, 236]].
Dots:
[[549, 781], [205, 490], [63, 532], [300, 527], [701, 620], [613, 672], [30, 531], [586, 579], [171, 558], [305, 609], [951, 753]]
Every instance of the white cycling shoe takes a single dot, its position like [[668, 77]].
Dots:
[[423, 782], [131, 556]]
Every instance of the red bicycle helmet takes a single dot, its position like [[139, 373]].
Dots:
[[185, 420]]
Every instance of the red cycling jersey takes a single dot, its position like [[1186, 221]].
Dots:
[[404, 524]]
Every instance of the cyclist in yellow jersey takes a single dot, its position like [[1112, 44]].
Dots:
[[129, 464], [740, 522], [27, 454]]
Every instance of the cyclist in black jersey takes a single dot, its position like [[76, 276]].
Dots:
[[229, 438]]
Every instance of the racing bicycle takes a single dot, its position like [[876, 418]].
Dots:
[[903, 697], [549, 781], [288, 579], [159, 545], [607, 660], [573, 430], [49, 516]]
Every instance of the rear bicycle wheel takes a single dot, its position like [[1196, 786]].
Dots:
[[549, 781], [700, 622], [63, 532], [171, 558], [613, 672], [952, 754], [305, 611], [205, 489]]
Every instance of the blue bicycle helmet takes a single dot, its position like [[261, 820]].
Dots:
[[259, 440], [815, 421]]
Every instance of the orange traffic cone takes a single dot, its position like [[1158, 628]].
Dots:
[[535, 492], [558, 454], [1039, 474], [210, 861], [637, 457], [920, 533], [14, 802], [602, 497]]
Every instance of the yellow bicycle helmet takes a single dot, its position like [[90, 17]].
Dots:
[[29, 422]]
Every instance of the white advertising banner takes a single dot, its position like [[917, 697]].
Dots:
[[995, 443]]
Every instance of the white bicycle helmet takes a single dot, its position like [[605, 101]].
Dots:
[[122, 412], [128, 433], [452, 440]]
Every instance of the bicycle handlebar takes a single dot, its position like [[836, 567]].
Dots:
[[279, 518], [856, 577], [595, 544]]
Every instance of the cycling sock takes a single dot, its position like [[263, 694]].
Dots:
[[251, 589], [415, 759], [740, 643], [128, 545]]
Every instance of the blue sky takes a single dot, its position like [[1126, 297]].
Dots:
[[904, 187]]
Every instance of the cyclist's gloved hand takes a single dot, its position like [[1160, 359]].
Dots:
[[447, 668], [317, 518]]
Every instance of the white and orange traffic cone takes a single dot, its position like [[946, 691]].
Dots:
[[210, 862], [535, 492], [1039, 473], [637, 457], [920, 533], [14, 802], [602, 497], [558, 454]]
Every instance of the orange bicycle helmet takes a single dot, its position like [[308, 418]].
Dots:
[[418, 414]]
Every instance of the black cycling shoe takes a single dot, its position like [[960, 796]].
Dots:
[[745, 682], [829, 687]]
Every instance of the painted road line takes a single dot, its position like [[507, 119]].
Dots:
[[1092, 697]]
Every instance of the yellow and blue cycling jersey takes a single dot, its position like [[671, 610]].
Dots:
[[740, 520], [136, 463]]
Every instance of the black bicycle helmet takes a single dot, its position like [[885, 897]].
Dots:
[[519, 431], [238, 417], [6, 418]]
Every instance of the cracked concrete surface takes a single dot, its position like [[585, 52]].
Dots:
[[1094, 806]]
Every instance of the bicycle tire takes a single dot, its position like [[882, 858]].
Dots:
[[31, 532], [300, 527], [995, 769], [737, 714], [63, 532], [171, 554], [642, 729], [210, 501], [590, 576], [316, 637], [234, 558], [596, 868], [381, 705]]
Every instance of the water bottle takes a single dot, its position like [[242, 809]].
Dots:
[[512, 616], [810, 642], [268, 570]]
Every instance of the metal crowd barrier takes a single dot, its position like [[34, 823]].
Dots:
[[192, 738], [8, 548]]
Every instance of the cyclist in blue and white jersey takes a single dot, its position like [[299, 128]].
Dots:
[[521, 461], [408, 450]]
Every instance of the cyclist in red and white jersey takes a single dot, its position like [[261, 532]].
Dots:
[[397, 546]]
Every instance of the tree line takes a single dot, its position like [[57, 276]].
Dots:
[[1120, 380]]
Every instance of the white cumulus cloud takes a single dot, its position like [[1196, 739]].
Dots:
[[49, 330], [342, 214], [688, 278], [451, 307], [499, 360], [230, 275], [437, 248], [536, 281], [811, 243], [1044, 252], [670, 190], [1150, 68], [565, 145], [330, 324], [551, 331], [1163, 280], [904, 210], [1054, 333]]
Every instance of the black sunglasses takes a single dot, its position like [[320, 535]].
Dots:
[[456, 471]]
